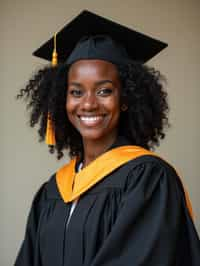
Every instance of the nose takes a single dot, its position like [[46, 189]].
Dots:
[[90, 102]]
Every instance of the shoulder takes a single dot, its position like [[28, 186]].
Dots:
[[151, 175], [154, 164], [151, 165], [40, 194], [146, 171], [151, 160], [48, 190]]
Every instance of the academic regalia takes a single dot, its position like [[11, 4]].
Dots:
[[132, 209], [136, 215]]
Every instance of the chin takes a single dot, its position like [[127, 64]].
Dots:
[[93, 136]]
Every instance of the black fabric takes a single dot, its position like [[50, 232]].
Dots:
[[98, 47], [136, 216], [138, 46]]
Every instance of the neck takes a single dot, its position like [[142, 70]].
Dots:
[[95, 148]]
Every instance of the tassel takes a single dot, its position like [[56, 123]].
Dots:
[[54, 60], [50, 131]]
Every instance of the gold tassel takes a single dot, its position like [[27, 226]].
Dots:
[[50, 131], [54, 60]]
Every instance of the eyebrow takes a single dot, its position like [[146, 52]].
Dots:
[[98, 83]]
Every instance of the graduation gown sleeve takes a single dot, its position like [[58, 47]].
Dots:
[[30, 248], [153, 227]]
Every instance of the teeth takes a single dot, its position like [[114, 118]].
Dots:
[[90, 118]]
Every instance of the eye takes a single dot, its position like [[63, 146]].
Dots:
[[104, 92], [75, 92]]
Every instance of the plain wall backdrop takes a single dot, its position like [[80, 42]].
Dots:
[[24, 163]]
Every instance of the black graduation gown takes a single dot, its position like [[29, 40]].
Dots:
[[136, 216]]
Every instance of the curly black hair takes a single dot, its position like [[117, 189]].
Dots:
[[143, 123]]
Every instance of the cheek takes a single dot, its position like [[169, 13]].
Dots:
[[116, 109], [114, 105], [114, 113], [70, 105]]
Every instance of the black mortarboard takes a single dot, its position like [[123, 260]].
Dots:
[[90, 36]]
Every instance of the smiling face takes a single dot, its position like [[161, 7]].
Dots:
[[93, 99]]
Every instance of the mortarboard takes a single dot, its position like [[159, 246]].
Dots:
[[90, 36], [89, 29]]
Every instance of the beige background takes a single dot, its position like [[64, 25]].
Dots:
[[25, 25]]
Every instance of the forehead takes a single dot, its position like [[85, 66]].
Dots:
[[93, 69]]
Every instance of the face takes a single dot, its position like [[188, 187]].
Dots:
[[93, 99]]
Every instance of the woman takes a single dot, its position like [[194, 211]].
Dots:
[[115, 202]]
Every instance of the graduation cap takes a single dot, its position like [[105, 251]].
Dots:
[[90, 36]]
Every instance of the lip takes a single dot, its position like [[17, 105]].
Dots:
[[91, 120]]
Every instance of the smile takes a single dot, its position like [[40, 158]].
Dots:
[[91, 120]]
